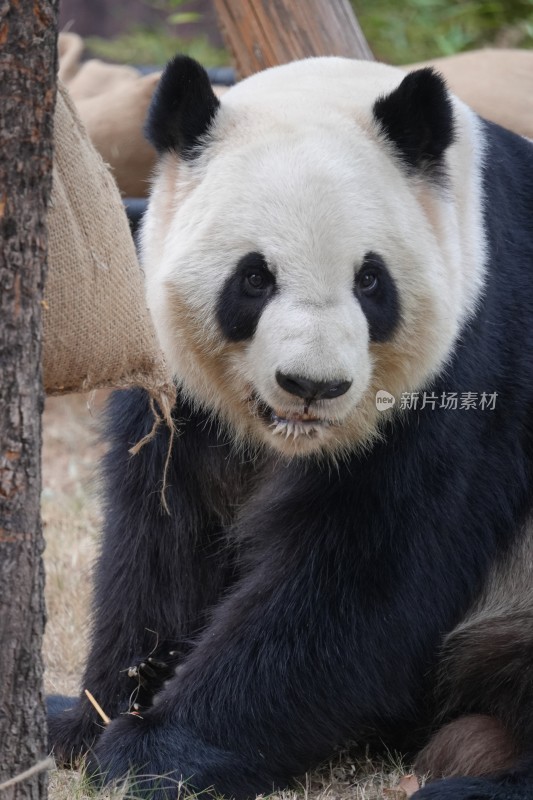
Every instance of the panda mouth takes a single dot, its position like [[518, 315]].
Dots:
[[297, 425], [294, 424]]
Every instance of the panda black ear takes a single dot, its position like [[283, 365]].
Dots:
[[417, 118], [182, 109]]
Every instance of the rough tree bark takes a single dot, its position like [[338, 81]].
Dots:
[[263, 33], [27, 97]]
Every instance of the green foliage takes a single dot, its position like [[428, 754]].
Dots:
[[415, 30], [154, 47], [399, 31], [177, 17]]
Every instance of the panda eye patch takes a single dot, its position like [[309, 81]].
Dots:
[[244, 295], [376, 291]]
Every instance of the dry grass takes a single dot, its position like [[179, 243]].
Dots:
[[345, 780], [72, 518]]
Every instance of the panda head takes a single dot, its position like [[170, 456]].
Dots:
[[312, 239]]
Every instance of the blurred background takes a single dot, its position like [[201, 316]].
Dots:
[[149, 32]]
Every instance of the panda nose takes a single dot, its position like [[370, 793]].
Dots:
[[312, 390]]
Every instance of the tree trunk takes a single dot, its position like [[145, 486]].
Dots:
[[27, 96], [264, 33]]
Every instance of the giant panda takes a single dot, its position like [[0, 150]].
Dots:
[[333, 254]]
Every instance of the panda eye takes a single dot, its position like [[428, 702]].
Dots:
[[257, 282], [367, 281], [245, 293], [376, 293]]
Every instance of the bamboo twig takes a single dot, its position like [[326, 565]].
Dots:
[[98, 707]]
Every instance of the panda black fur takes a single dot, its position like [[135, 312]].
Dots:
[[331, 229]]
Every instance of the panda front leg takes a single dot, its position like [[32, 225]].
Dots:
[[157, 573], [223, 721], [276, 681], [316, 643], [331, 633]]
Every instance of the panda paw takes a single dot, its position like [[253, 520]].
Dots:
[[157, 760], [149, 676]]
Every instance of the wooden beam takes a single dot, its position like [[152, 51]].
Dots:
[[264, 33]]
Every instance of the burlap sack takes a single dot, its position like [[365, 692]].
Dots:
[[114, 120], [112, 101], [95, 77], [498, 84], [97, 330]]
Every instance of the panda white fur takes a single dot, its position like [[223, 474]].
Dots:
[[330, 230]]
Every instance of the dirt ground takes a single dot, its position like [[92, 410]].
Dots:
[[72, 517]]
